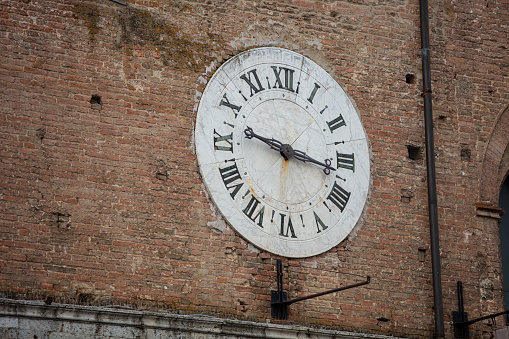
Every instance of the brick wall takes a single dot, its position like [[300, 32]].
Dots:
[[101, 198]]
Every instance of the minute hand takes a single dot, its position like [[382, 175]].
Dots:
[[273, 143], [302, 156]]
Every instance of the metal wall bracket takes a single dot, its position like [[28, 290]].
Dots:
[[279, 303], [460, 318]]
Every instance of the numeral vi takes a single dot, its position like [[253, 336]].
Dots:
[[289, 227]]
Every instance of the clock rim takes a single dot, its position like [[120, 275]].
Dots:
[[254, 240]]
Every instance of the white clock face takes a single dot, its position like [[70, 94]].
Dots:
[[276, 200]]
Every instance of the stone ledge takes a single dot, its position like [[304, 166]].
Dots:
[[483, 209], [17, 315]]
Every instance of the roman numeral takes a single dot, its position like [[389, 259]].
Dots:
[[313, 93], [250, 209], [254, 88], [336, 123], [339, 196], [346, 161], [227, 141], [229, 175], [288, 75], [289, 227], [226, 102], [319, 223]]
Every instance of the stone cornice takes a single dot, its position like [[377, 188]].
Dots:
[[13, 310]]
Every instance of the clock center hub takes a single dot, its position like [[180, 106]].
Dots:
[[287, 151]]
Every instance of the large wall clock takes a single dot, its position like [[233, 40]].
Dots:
[[282, 152]]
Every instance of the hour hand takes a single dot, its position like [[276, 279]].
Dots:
[[273, 143], [302, 156]]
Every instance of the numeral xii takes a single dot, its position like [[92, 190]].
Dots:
[[288, 78]]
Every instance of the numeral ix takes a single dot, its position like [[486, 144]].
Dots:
[[224, 141]]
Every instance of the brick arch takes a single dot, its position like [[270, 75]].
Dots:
[[495, 165]]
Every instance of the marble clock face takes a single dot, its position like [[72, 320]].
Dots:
[[285, 206]]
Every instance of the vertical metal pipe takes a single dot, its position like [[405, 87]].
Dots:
[[430, 168], [279, 269], [461, 309]]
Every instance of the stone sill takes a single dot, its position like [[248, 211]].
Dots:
[[16, 315], [483, 209]]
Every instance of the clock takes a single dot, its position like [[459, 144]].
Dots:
[[282, 151]]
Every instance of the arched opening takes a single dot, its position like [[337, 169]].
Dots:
[[496, 159], [494, 189], [503, 203]]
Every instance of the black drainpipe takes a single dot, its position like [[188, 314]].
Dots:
[[430, 167]]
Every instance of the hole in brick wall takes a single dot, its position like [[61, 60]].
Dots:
[[410, 78], [333, 14], [422, 254], [162, 175], [41, 133], [96, 102], [465, 154], [48, 300], [61, 220], [163, 170], [406, 194], [414, 152], [442, 117]]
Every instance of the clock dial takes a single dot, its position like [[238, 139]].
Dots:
[[274, 198]]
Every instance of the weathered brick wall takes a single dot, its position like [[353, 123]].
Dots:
[[103, 200]]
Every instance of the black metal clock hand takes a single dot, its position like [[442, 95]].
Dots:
[[288, 152], [273, 143], [302, 156], [284, 149]]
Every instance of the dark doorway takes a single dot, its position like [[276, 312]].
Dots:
[[504, 238]]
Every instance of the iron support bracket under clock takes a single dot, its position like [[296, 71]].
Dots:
[[460, 317], [279, 303]]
